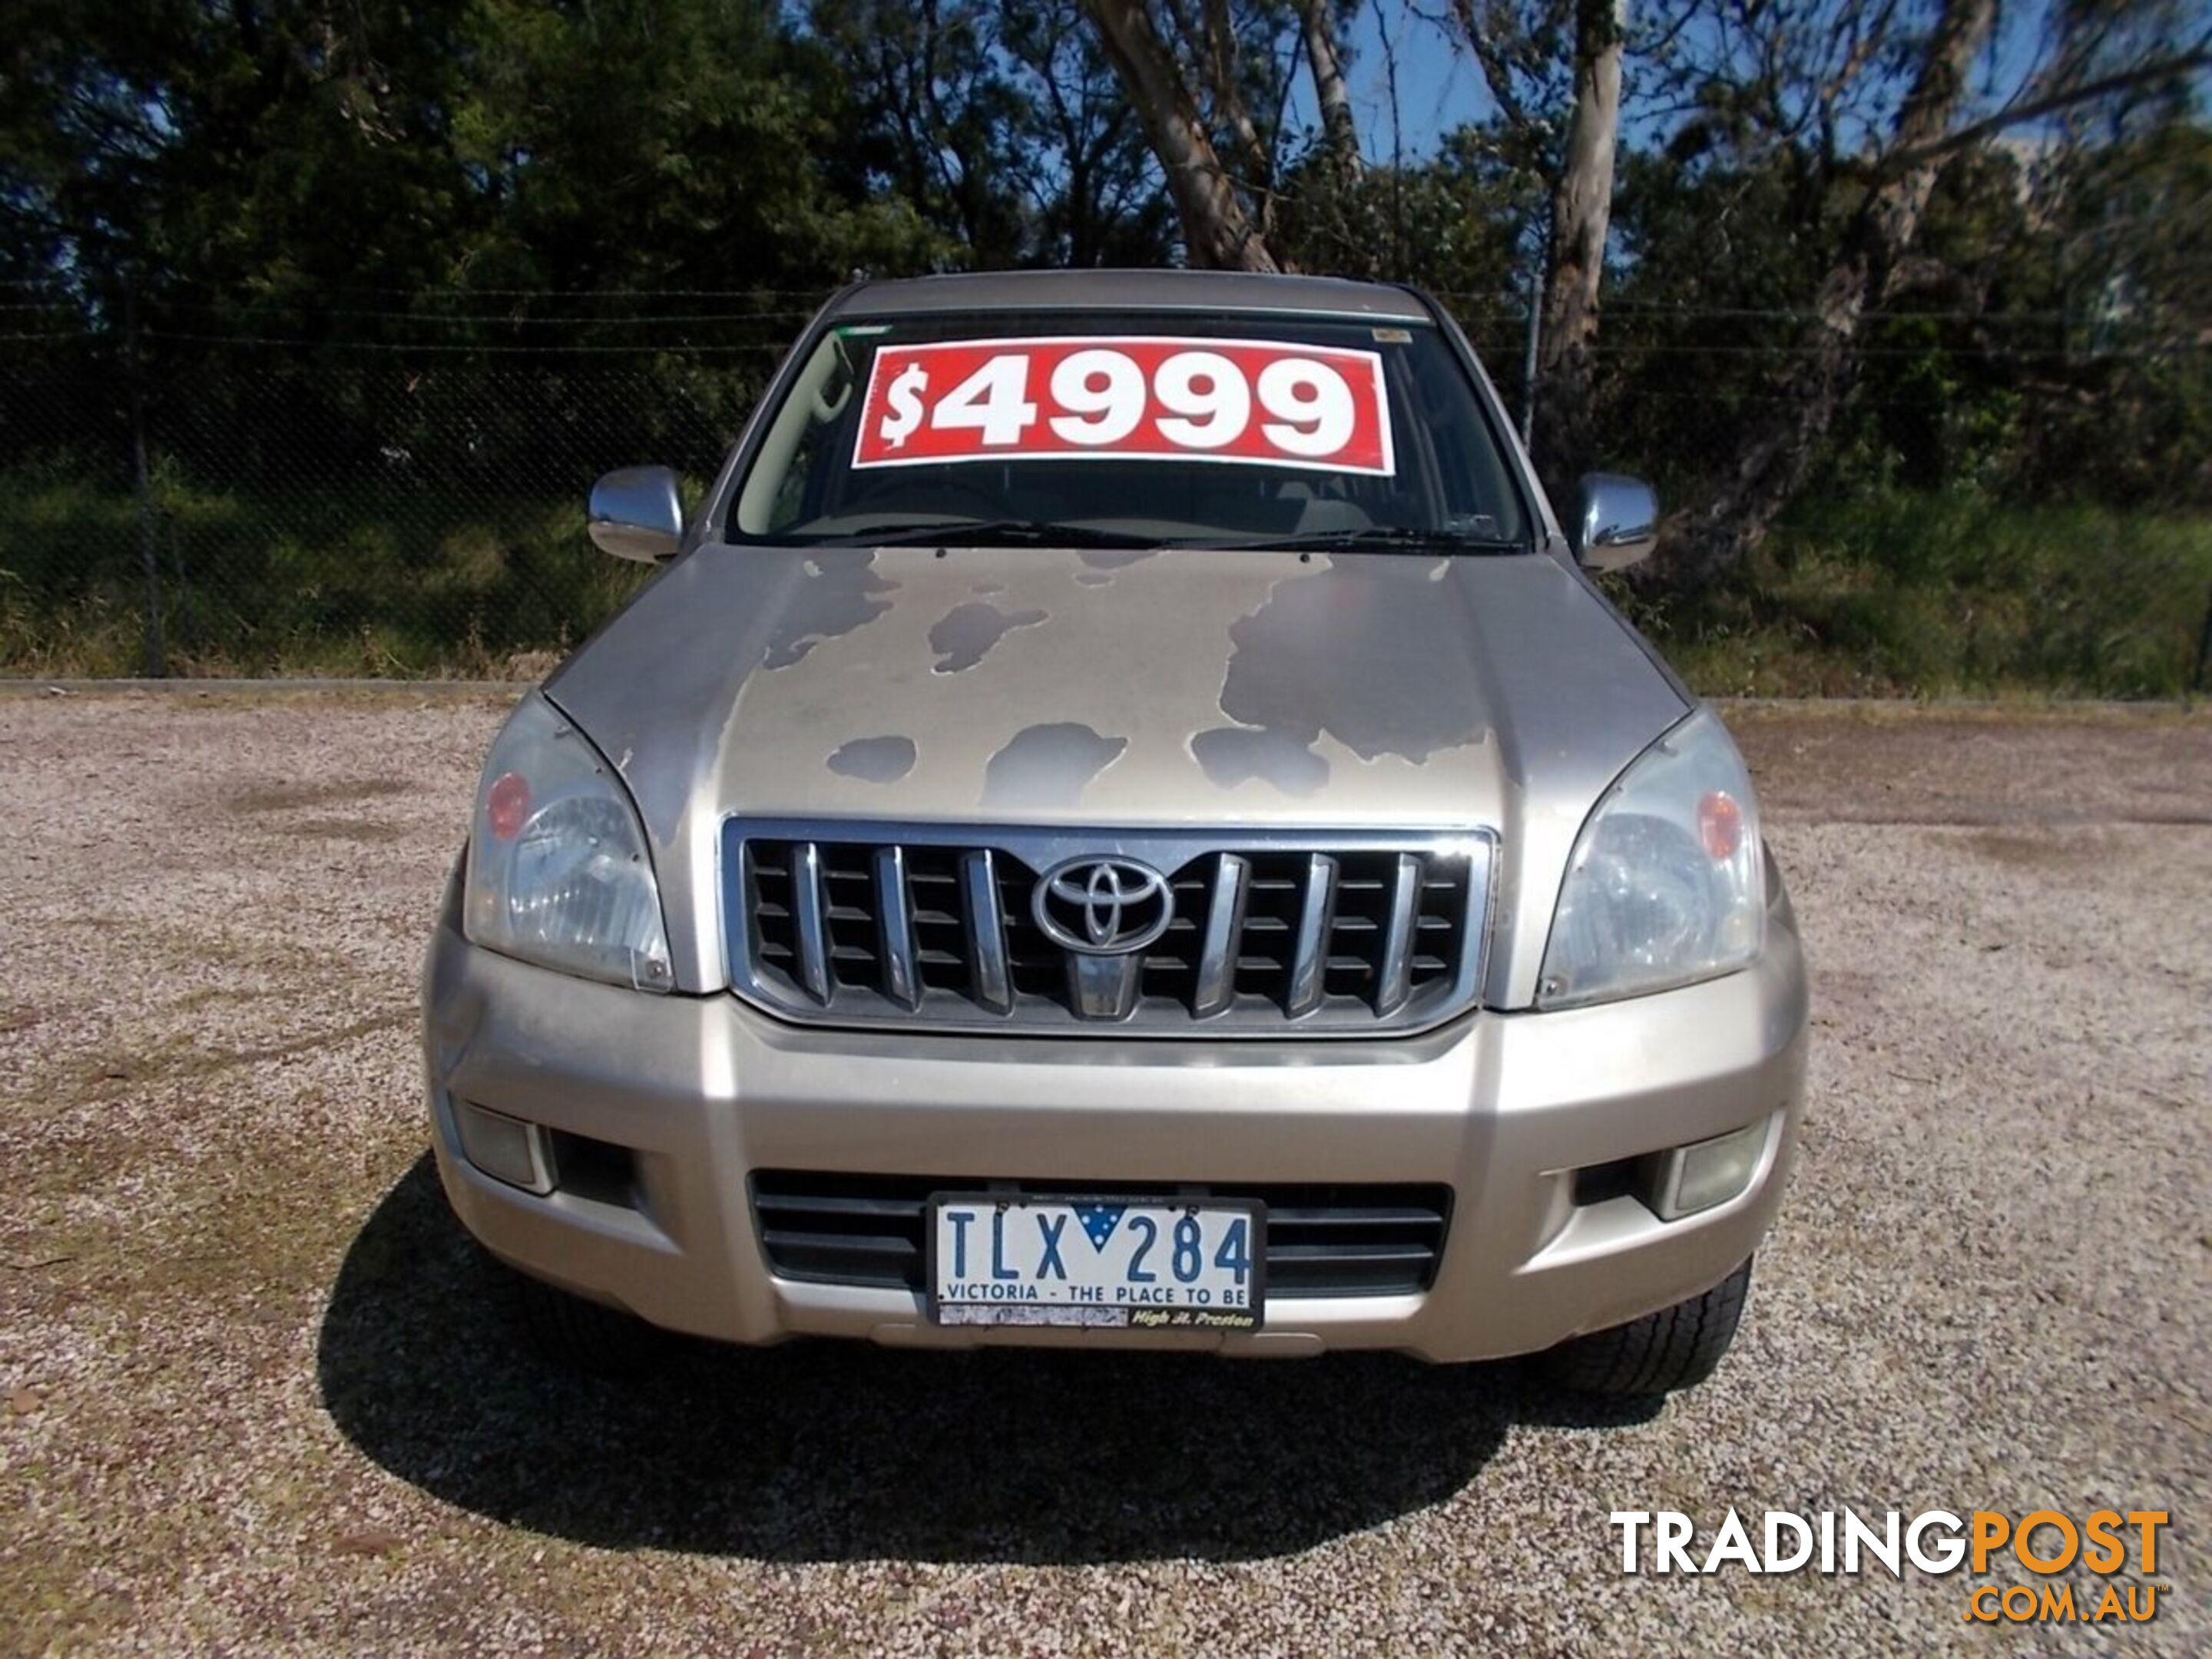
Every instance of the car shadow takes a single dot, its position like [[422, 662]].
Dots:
[[835, 1451]]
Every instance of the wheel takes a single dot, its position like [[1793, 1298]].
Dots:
[[1675, 1348], [581, 1335]]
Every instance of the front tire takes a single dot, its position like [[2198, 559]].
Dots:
[[1676, 1347]]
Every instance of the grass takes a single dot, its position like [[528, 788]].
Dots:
[[384, 580], [1894, 594], [1946, 595]]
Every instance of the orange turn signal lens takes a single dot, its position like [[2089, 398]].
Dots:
[[1720, 824], [506, 805]]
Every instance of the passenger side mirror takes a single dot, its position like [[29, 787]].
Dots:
[[1616, 521], [636, 513]]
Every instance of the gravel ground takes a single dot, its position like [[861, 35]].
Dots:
[[250, 1397]]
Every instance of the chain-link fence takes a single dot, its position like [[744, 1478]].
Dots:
[[228, 502], [400, 492]]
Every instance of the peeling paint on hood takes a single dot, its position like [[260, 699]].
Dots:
[[834, 590], [879, 760], [1048, 767], [963, 635], [1311, 660]]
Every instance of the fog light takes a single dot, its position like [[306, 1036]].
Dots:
[[504, 1148], [1708, 1172]]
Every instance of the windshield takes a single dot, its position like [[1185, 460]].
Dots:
[[1145, 428]]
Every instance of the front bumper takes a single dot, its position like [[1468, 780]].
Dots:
[[1505, 1108]]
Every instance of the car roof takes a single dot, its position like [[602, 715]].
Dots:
[[1140, 290]]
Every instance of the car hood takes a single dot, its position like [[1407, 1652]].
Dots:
[[1238, 687]]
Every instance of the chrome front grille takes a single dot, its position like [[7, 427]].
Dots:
[[936, 925]]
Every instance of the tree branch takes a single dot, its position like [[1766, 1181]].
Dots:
[[1497, 73], [1337, 123], [1217, 230], [2166, 69]]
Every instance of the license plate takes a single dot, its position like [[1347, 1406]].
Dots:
[[1141, 1264]]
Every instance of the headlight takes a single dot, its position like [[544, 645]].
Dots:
[[1668, 884], [558, 871]]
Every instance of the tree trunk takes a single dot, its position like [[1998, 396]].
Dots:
[[1217, 232], [1718, 536], [1581, 213], [1213, 42], [1337, 123]]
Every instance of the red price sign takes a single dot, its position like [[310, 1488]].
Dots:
[[1262, 403]]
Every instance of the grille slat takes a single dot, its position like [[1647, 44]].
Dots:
[[990, 982], [833, 1245], [1394, 979], [932, 927], [1218, 961], [1354, 1216], [824, 1204], [811, 928], [895, 917], [1308, 958], [1371, 1254], [1338, 1239]]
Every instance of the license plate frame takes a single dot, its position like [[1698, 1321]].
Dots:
[[1175, 1309]]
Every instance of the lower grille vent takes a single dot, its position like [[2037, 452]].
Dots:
[[1335, 1239]]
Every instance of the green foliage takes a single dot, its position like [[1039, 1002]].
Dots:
[[1455, 223], [2047, 342], [379, 282], [1001, 126], [649, 144], [311, 579], [1901, 593], [1906, 593]]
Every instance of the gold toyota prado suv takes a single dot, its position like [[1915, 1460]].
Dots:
[[1122, 821]]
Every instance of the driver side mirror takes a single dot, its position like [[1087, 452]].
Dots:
[[636, 513], [1616, 521]]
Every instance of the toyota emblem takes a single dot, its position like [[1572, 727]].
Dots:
[[1103, 906]]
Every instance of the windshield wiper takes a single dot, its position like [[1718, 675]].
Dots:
[[1045, 532], [1381, 537], [1003, 533]]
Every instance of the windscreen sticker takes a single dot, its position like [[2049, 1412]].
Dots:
[[1257, 403]]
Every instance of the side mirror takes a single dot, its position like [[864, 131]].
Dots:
[[636, 513], [1616, 521]]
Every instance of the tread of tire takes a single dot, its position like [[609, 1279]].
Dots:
[[1673, 1348]]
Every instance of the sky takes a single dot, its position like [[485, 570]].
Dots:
[[1439, 87]]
